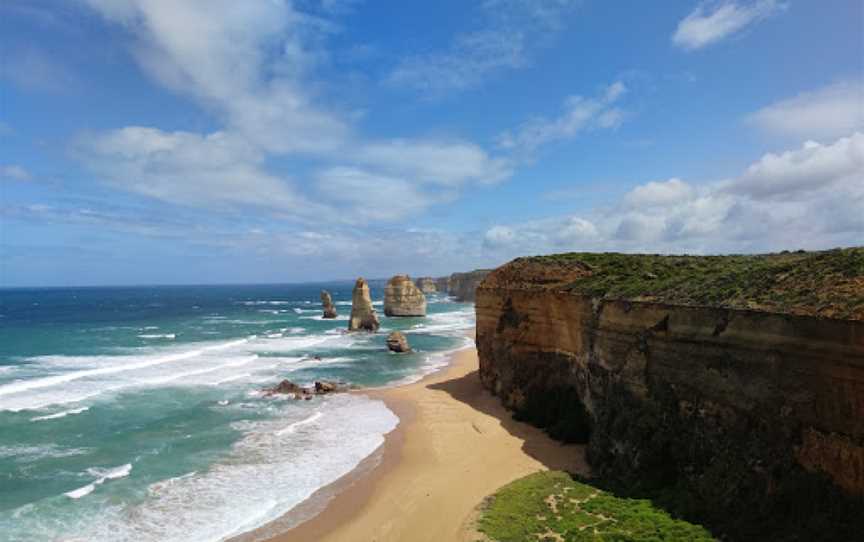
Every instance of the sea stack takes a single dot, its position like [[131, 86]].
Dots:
[[427, 285], [363, 316], [396, 342], [403, 298], [327, 305]]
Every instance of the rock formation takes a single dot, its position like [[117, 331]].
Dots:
[[427, 285], [403, 298], [463, 286], [363, 315], [321, 387], [327, 305], [682, 387], [442, 285], [396, 342]]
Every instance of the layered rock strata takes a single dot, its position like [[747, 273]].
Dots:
[[363, 314], [403, 298], [751, 421]]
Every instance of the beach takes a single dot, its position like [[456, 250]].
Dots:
[[454, 445]]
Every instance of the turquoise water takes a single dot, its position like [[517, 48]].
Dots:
[[136, 413]]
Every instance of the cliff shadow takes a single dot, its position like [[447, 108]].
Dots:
[[536, 443]]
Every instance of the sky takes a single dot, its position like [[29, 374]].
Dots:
[[216, 141]]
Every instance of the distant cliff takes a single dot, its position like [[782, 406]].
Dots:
[[730, 388], [463, 286]]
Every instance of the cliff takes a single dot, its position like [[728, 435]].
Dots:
[[729, 388], [403, 298], [427, 285], [463, 286]]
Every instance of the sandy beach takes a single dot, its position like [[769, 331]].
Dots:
[[455, 445]]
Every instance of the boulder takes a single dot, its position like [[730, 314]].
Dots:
[[427, 285], [325, 386], [403, 298], [289, 388], [363, 315], [396, 342], [327, 305]]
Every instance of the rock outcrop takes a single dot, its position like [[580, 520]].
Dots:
[[363, 314], [396, 342], [751, 421], [320, 387], [403, 298], [427, 285], [327, 305], [463, 286]]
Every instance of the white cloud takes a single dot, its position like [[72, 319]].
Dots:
[[579, 114], [810, 197], [14, 172], [370, 196], [511, 31], [252, 65], [183, 168], [446, 163], [710, 22], [831, 111]]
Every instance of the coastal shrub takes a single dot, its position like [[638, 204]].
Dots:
[[552, 506]]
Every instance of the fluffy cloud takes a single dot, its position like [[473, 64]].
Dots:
[[217, 170], [251, 65], [810, 197], [512, 30], [710, 22], [579, 114], [831, 111]]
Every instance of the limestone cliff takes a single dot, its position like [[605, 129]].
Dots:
[[731, 388], [427, 285], [363, 315], [442, 284], [403, 298], [327, 305], [463, 286]]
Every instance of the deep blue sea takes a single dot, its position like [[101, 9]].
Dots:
[[136, 413]]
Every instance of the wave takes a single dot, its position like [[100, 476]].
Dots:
[[290, 428], [34, 453], [108, 474], [158, 336], [60, 414]]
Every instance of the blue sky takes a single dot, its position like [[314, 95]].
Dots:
[[213, 141]]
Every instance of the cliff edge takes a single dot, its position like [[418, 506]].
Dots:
[[729, 387]]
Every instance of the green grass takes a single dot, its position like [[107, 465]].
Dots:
[[552, 506], [827, 283]]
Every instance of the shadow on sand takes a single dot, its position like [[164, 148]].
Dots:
[[537, 444]]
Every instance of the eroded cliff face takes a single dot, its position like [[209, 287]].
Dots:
[[754, 421], [463, 286]]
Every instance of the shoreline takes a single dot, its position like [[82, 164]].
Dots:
[[454, 445]]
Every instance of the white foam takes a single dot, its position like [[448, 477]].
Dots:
[[104, 475], [34, 453], [276, 465], [157, 336], [60, 414]]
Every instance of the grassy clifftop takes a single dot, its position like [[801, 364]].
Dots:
[[827, 283]]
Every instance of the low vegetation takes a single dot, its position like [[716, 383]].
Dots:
[[553, 507], [827, 283]]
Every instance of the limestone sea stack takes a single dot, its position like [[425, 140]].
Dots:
[[363, 315], [403, 298], [396, 342], [427, 285], [327, 305]]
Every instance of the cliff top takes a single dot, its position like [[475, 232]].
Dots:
[[827, 283]]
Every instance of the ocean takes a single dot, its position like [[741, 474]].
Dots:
[[136, 413]]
